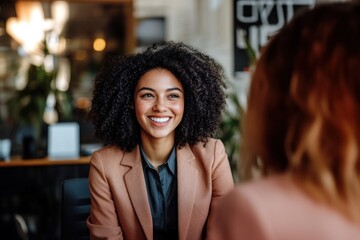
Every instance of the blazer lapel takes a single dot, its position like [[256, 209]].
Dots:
[[187, 182], [136, 186]]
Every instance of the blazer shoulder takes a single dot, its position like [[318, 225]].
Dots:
[[207, 147], [210, 154], [109, 154]]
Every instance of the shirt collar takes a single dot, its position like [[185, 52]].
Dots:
[[171, 161]]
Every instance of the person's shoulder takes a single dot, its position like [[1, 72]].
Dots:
[[275, 189], [109, 150], [263, 195], [277, 201], [210, 144], [110, 153], [208, 150], [243, 213], [254, 207], [208, 154]]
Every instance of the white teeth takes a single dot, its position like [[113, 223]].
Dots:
[[160, 120]]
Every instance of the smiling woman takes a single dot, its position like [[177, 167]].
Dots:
[[159, 108], [161, 174]]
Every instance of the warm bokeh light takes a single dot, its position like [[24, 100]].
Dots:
[[99, 44], [60, 14], [83, 103], [50, 115], [29, 27], [63, 75], [80, 55]]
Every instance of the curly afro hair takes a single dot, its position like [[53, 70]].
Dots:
[[202, 78]]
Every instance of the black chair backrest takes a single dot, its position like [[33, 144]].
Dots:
[[75, 209]]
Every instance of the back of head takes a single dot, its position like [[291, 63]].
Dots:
[[304, 104]]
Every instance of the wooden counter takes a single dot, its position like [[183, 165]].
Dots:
[[18, 162], [32, 188]]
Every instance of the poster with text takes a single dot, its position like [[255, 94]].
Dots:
[[255, 21]]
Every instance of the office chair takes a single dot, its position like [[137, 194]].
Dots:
[[75, 209]]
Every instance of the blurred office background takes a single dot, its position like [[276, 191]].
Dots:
[[50, 52], [79, 35]]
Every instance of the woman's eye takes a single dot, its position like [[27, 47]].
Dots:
[[174, 96], [147, 95]]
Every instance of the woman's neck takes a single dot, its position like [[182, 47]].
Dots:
[[157, 151]]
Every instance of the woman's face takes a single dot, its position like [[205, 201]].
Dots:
[[159, 104]]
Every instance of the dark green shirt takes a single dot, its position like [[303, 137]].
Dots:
[[162, 194]]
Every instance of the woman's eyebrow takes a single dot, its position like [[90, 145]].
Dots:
[[146, 89], [152, 90], [173, 89]]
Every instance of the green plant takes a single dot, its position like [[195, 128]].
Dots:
[[250, 52], [27, 106], [231, 126], [231, 130]]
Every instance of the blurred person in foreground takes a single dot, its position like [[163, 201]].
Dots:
[[161, 173], [303, 124]]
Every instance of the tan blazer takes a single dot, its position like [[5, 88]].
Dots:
[[119, 203], [276, 209]]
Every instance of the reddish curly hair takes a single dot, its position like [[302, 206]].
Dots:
[[304, 105]]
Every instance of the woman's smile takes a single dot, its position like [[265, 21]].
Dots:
[[159, 119]]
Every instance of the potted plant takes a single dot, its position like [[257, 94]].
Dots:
[[231, 126], [29, 105]]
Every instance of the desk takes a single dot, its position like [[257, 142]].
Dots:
[[18, 162], [32, 188]]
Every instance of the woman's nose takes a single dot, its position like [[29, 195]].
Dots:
[[159, 106]]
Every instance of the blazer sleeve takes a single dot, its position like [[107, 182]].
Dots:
[[238, 217], [222, 181], [103, 220]]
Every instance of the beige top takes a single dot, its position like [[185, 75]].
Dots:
[[275, 208]]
